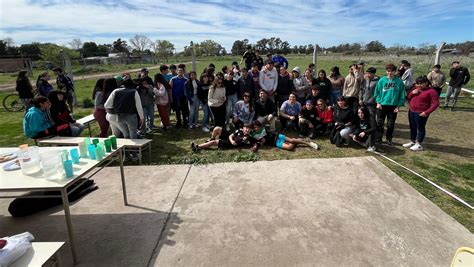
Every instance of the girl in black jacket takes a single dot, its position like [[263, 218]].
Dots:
[[364, 129], [344, 121]]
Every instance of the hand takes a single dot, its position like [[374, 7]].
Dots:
[[310, 125], [379, 106], [354, 137], [292, 118], [415, 91], [422, 114], [254, 148], [361, 135], [270, 117], [395, 110], [361, 103], [141, 121]]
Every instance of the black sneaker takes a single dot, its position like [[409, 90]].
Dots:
[[389, 143], [194, 147]]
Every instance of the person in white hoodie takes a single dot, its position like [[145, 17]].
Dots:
[[300, 84], [268, 79]]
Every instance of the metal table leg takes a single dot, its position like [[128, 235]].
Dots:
[[149, 154], [90, 132], [140, 156], [122, 175], [67, 214]]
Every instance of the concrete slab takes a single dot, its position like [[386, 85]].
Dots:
[[323, 212], [107, 232]]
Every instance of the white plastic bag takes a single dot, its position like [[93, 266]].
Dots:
[[16, 246]]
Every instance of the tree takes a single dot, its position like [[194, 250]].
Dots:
[[164, 49], [32, 51], [3, 48], [9, 41], [140, 43], [89, 49], [375, 46], [52, 52], [209, 47], [76, 44], [239, 47], [120, 46], [309, 49]]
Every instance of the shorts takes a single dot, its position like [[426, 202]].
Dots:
[[280, 140], [224, 140]]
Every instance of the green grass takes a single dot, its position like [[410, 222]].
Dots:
[[447, 160]]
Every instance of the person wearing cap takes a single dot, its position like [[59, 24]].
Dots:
[[308, 120], [402, 68], [366, 94], [289, 113], [122, 107], [389, 96], [248, 57], [351, 87], [459, 76], [437, 78], [64, 83], [144, 76], [280, 59], [244, 111], [407, 76], [265, 110], [300, 85], [268, 79]]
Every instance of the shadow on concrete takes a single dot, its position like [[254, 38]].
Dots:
[[127, 239]]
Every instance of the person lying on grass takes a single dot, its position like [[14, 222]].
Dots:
[[225, 140], [262, 137]]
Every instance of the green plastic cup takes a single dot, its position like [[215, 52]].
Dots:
[[108, 145], [113, 141]]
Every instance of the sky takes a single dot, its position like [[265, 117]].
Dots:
[[322, 22]]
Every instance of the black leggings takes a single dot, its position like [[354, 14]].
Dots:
[[219, 115]]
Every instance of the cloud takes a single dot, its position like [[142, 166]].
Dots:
[[326, 22]]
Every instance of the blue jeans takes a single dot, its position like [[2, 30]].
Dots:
[[149, 117], [205, 109], [125, 124], [417, 126], [334, 95], [231, 100], [193, 111], [76, 130]]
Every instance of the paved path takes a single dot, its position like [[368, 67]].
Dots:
[[323, 212]]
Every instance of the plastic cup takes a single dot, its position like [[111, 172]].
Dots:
[[74, 155], [113, 141], [87, 141], [50, 163], [98, 153], [108, 145], [95, 141], [91, 151], [68, 169], [29, 160], [82, 149]]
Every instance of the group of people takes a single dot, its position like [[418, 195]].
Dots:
[[350, 109]]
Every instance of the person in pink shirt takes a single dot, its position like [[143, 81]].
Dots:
[[423, 101]]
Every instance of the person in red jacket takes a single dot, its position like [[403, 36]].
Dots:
[[325, 117], [423, 101]]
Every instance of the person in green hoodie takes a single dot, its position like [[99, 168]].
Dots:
[[390, 96]]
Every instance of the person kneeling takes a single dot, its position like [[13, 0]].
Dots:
[[308, 120]]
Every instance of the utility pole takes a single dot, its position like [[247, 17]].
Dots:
[[315, 58], [193, 56], [438, 53]]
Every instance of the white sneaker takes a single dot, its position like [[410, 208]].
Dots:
[[416, 147], [408, 145], [205, 129], [371, 149], [314, 145]]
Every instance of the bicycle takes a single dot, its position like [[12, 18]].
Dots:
[[12, 103]]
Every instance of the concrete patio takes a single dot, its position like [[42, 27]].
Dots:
[[323, 212]]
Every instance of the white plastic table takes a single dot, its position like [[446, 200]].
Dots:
[[39, 254], [16, 181]]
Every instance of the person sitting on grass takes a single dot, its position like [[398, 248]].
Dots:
[[308, 120], [344, 120], [289, 112], [225, 140], [262, 137], [365, 129], [325, 118], [244, 112]]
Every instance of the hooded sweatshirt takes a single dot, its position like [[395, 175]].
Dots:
[[299, 83], [390, 92], [352, 85], [268, 80], [367, 92]]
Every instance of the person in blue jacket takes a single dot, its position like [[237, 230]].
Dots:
[[35, 122], [280, 59]]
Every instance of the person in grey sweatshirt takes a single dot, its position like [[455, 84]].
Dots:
[[300, 84], [268, 80], [366, 94]]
